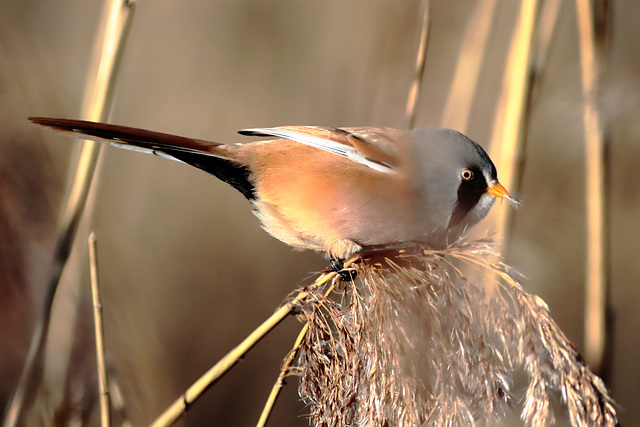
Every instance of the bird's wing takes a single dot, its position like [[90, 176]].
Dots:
[[146, 141], [376, 148]]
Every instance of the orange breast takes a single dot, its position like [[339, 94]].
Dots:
[[320, 197]]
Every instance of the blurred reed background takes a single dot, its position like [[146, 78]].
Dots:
[[186, 271]]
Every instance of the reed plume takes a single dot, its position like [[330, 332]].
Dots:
[[420, 338]]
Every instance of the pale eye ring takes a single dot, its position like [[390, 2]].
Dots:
[[466, 175]]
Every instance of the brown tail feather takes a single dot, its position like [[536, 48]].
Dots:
[[125, 135], [195, 152]]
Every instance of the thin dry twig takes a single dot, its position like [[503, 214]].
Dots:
[[180, 405], [596, 282], [284, 371], [195, 391], [103, 381], [421, 58], [97, 107]]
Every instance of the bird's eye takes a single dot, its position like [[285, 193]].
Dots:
[[466, 175]]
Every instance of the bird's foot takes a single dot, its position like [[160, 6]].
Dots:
[[346, 274]]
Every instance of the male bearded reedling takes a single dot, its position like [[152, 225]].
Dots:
[[338, 190]]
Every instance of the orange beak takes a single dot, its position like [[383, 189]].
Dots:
[[497, 190]]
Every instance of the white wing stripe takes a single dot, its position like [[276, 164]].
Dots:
[[326, 145]]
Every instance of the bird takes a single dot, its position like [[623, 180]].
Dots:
[[337, 191]]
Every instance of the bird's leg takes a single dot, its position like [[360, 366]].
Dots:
[[346, 274]]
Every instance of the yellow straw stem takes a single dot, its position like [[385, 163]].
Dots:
[[421, 58], [595, 292], [103, 382], [465, 79], [180, 405], [277, 386], [508, 132], [195, 391]]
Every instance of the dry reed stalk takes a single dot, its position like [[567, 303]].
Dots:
[[508, 135], [286, 365], [180, 405], [413, 341], [465, 78], [421, 59], [546, 29], [101, 365], [195, 391], [284, 372], [596, 282], [116, 18]]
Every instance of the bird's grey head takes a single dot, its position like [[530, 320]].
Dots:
[[452, 174]]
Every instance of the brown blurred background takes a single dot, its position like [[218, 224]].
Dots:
[[186, 271]]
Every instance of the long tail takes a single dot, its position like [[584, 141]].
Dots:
[[202, 154]]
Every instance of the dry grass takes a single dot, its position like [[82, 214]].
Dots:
[[97, 106], [414, 341]]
